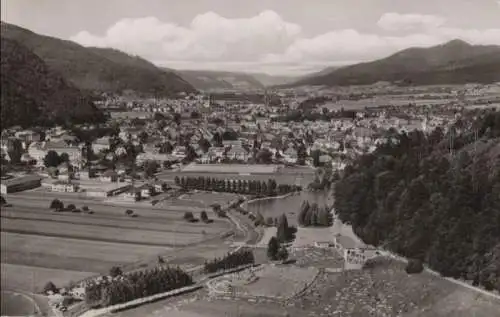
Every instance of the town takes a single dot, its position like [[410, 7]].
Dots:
[[266, 159]]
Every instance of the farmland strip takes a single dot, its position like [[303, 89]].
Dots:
[[102, 225], [77, 237]]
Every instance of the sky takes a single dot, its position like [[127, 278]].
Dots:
[[279, 37]]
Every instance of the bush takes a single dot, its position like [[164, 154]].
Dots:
[[414, 266], [2, 201], [76, 210], [129, 212], [85, 208], [115, 271], [204, 216], [188, 215], [71, 207], [56, 204], [50, 287]]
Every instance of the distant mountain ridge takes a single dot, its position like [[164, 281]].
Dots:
[[34, 94], [98, 69], [213, 80], [455, 62]]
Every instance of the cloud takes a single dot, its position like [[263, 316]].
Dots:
[[409, 22], [267, 41], [209, 37]]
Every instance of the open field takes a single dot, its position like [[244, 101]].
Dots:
[[69, 246], [95, 233], [103, 221], [33, 278], [55, 252], [15, 304]]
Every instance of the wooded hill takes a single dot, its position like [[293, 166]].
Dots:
[[417, 198], [455, 62], [34, 94], [98, 69]]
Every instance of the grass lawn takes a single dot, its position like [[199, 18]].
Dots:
[[33, 278]]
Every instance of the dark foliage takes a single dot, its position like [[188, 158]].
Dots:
[[135, 285], [50, 287], [455, 62], [314, 216], [414, 266], [98, 69], [230, 261], [430, 199], [253, 187], [34, 94], [56, 204], [273, 247]]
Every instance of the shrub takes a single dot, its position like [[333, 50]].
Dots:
[[85, 208], [2, 201], [71, 207], [50, 287], [76, 210], [56, 204], [129, 212], [414, 266], [204, 216], [188, 215], [115, 271]]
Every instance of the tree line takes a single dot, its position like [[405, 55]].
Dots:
[[312, 215], [135, 285], [230, 261], [246, 187], [433, 197]]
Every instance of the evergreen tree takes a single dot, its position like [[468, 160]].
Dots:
[[273, 248]]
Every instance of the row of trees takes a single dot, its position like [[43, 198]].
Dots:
[[312, 215], [52, 159], [230, 261], [435, 198], [189, 216], [135, 285], [248, 187]]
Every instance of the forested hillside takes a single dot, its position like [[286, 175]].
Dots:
[[98, 69], [414, 198], [34, 94]]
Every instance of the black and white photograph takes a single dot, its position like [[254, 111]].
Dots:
[[250, 158]]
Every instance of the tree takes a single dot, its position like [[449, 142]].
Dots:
[[64, 157], [115, 271], [188, 215], [273, 248], [315, 156], [204, 216], [50, 287], [283, 231], [150, 168], [269, 221], [414, 266], [51, 159], [2, 201], [204, 144], [56, 204], [282, 253], [259, 219]]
